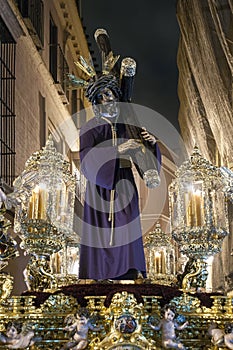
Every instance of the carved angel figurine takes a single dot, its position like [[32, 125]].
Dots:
[[219, 337], [2, 197], [168, 326], [79, 327], [18, 336]]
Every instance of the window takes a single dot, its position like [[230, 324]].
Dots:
[[74, 102], [7, 105], [53, 46], [42, 120], [33, 13]]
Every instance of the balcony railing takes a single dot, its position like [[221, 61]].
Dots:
[[7, 112], [59, 69]]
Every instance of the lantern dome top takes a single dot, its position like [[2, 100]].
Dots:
[[198, 167], [157, 237]]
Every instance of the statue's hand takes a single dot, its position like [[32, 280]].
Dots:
[[129, 144], [148, 137]]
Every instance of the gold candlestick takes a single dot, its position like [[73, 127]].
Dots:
[[35, 199], [198, 208], [42, 204], [30, 208]]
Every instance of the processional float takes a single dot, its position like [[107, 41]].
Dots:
[[48, 315]]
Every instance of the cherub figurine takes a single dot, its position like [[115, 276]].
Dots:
[[168, 326], [18, 336], [2, 197], [219, 337], [79, 326]]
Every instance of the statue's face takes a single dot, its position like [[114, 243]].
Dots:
[[82, 319], [11, 332], [105, 96], [107, 104], [169, 315]]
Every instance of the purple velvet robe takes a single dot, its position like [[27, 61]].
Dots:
[[101, 166]]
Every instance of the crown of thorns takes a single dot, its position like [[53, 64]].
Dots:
[[110, 73], [105, 81]]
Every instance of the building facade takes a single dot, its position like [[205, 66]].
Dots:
[[205, 92], [40, 43]]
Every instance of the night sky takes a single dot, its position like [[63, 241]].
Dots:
[[148, 32]]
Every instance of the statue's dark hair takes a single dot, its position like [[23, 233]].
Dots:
[[15, 324], [169, 307], [83, 312], [105, 81]]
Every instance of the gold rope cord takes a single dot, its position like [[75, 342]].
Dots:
[[205, 62], [112, 193]]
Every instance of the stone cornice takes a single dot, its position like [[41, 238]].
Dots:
[[11, 17]]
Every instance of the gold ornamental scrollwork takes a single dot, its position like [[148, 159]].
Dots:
[[124, 318]]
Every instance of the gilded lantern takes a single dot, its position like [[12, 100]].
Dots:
[[44, 201], [198, 207], [160, 256]]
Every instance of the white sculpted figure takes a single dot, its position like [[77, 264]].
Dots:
[[219, 337], [79, 326], [18, 336], [168, 326]]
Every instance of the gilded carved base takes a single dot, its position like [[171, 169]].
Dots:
[[121, 323]]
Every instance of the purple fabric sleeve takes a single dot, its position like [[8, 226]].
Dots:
[[98, 163], [158, 156]]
